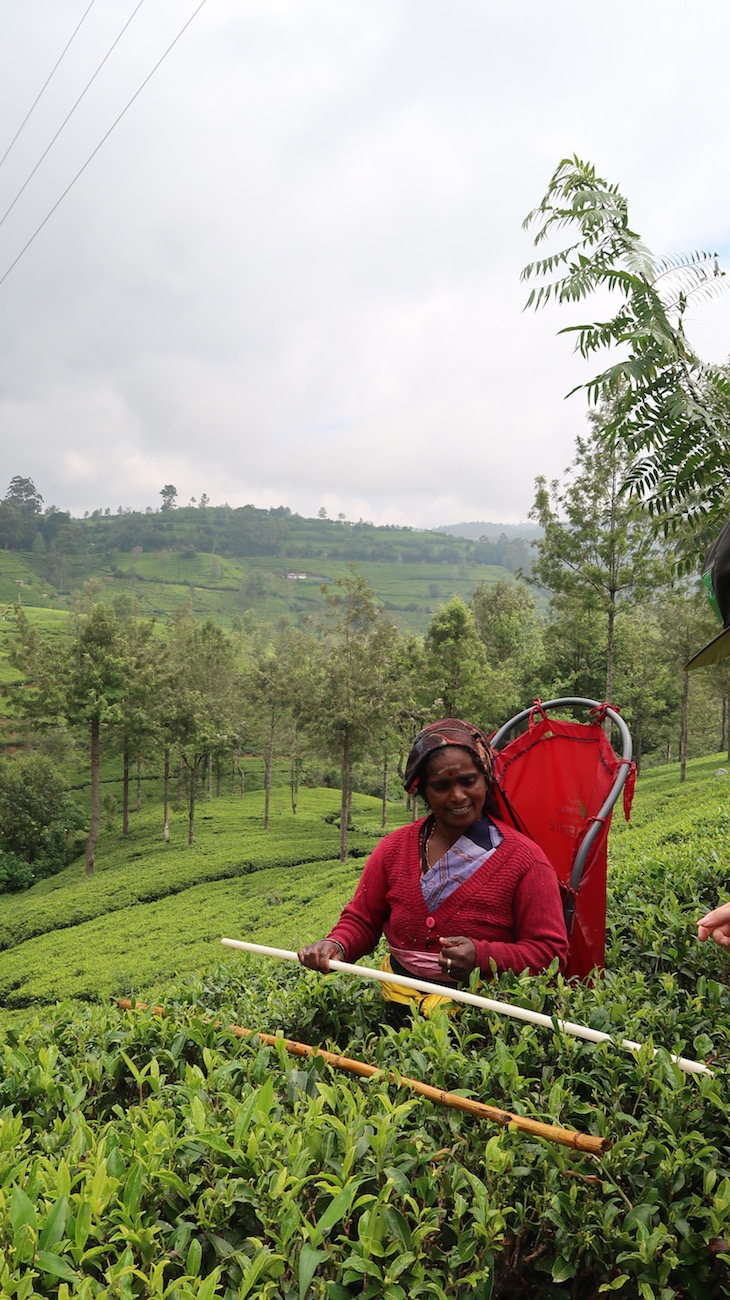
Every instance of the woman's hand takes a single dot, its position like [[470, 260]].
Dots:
[[716, 925], [317, 955], [458, 957]]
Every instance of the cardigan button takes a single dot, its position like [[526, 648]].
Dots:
[[430, 923]]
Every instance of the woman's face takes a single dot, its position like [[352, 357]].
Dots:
[[455, 788]]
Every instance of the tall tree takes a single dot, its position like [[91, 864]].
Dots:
[[140, 699], [647, 685], [457, 680], [686, 622], [512, 633], [597, 547], [267, 698], [351, 697], [203, 695], [669, 409], [23, 492], [83, 683], [20, 513]]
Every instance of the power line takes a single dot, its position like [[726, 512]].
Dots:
[[70, 114], [46, 82], [103, 140]]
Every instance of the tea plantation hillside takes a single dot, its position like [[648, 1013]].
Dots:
[[143, 1155], [267, 563]]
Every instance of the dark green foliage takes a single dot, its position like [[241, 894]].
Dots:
[[15, 873], [37, 819]]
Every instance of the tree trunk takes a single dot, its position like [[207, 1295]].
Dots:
[[638, 739], [94, 827], [683, 738], [125, 789], [294, 774], [210, 776], [139, 784], [191, 803], [268, 758], [344, 782], [610, 655], [414, 807], [180, 780], [350, 784], [385, 790], [166, 797]]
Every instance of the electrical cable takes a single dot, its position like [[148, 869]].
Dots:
[[71, 112], [47, 81], [103, 140]]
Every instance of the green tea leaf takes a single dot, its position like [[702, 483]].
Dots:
[[309, 1258], [336, 1210], [22, 1210], [133, 1190], [55, 1224], [56, 1266]]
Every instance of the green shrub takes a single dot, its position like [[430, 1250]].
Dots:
[[15, 873]]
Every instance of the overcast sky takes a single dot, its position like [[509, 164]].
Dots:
[[290, 276]]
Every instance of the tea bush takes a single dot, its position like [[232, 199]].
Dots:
[[149, 1156]]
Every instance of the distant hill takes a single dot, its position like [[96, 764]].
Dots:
[[483, 528], [268, 564]]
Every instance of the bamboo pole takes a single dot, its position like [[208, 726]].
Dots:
[[472, 999], [551, 1132]]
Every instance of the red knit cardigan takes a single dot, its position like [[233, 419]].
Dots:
[[510, 907]]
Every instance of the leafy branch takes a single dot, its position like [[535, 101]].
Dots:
[[670, 409]]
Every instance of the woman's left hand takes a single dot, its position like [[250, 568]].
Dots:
[[458, 957]]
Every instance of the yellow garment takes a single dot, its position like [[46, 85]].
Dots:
[[426, 1003]]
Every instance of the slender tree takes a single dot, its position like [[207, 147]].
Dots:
[[512, 634], [686, 621], [202, 695], [351, 697], [83, 683], [457, 680], [597, 548], [647, 686]]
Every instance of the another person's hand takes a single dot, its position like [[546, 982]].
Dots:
[[458, 957], [317, 955], [716, 925]]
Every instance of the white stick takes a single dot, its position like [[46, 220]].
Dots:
[[462, 995]]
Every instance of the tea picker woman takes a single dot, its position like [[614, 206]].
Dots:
[[458, 889]]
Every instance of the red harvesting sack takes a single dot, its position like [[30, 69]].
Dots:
[[557, 782]]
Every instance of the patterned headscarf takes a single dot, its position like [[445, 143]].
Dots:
[[449, 731]]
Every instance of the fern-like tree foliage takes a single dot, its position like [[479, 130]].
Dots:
[[669, 408]]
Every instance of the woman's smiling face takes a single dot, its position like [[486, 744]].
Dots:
[[455, 788]]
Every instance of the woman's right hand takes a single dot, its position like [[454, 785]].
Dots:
[[317, 955]]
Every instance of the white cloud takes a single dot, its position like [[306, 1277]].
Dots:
[[291, 276]]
